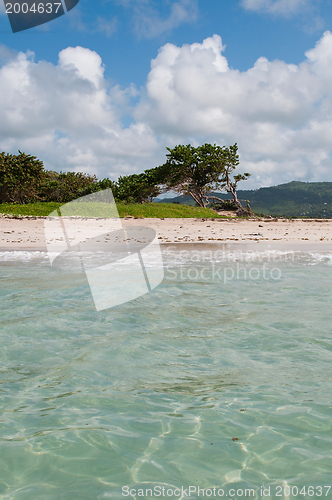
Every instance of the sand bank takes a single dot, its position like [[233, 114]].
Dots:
[[28, 233]]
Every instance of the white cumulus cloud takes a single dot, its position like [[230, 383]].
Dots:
[[280, 114], [66, 115]]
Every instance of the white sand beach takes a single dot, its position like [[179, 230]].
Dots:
[[28, 233]]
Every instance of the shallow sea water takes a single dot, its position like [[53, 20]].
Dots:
[[220, 378]]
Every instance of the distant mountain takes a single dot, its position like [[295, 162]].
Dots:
[[294, 199]]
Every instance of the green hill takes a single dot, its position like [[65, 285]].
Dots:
[[294, 199]]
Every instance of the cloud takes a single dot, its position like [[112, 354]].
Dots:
[[307, 11], [150, 22], [281, 7], [280, 114], [104, 25], [6, 54], [107, 26], [68, 115]]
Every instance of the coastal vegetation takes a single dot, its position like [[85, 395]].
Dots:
[[23, 179], [203, 177], [188, 170], [197, 171]]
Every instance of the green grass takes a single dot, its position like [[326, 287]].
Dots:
[[165, 210], [36, 209], [159, 210]]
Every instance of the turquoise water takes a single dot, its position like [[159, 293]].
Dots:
[[205, 382]]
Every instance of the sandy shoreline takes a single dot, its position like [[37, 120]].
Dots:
[[28, 233]]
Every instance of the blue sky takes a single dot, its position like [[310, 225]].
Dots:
[[105, 88]]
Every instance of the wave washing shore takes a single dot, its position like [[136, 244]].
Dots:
[[28, 233]]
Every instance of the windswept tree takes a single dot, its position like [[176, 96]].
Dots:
[[187, 171], [198, 171], [226, 160]]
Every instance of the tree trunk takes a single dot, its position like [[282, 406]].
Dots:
[[198, 198], [230, 188], [222, 202], [235, 198]]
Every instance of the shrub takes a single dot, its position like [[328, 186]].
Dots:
[[20, 178]]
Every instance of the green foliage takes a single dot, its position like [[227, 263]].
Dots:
[[24, 180], [65, 186], [189, 170], [224, 205], [186, 171], [103, 184], [197, 171], [137, 188], [20, 178]]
